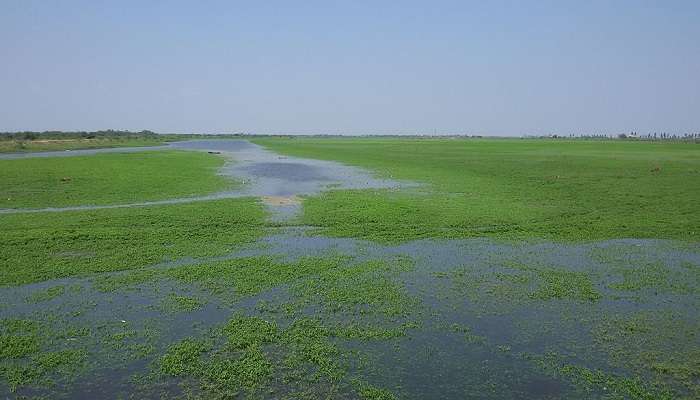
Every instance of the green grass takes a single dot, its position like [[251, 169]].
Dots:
[[513, 189], [12, 146], [43, 246], [108, 178]]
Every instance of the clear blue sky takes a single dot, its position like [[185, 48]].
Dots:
[[486, 67]]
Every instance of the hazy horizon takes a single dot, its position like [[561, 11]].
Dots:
[[496, 69]]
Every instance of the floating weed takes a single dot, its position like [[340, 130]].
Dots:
[[367, 391], [508, 285], [357, 331], [38, 370], [24, 361], [308, 345], [657, 277], [227, 376], [46, 294], [559, 283], [18, 338], [249, 276], [246, 332], [124, 280], [359, 289], [468, 334], [597, 382], [184, 358], [659, 344], [241, 364], [176, 304]]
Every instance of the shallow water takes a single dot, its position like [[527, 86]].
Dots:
[[467, 343]]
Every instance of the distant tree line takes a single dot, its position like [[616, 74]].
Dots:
[[57, 135], [631, 135]]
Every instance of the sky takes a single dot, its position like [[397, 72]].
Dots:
[[351, 67]]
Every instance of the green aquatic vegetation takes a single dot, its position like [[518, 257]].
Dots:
[[129, 279], [359, 331], [566, 285], [240, 365], [595, 382], [243, 361], [120, 336], [17, 346], [73, 332], [46, 294], [45, 246], [175, 304], [657, 277], [306, 348], [184, 358], [114, 178], [307, 342], [613, 386], [662, 344], [492, 290], [367, 391], [18, 338], [118, 342], [248, 276], [227, 376], [43, 366], [507, 188], [359, 289], [510, 284], [251, 275], [246, 332], [24, 359], [468, 334], [338, 285], [559, 283], [690, 267]]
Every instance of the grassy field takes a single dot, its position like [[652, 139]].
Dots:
[[14, 146], [108, 178], [513, 189], [211, 299], [43, 246]]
